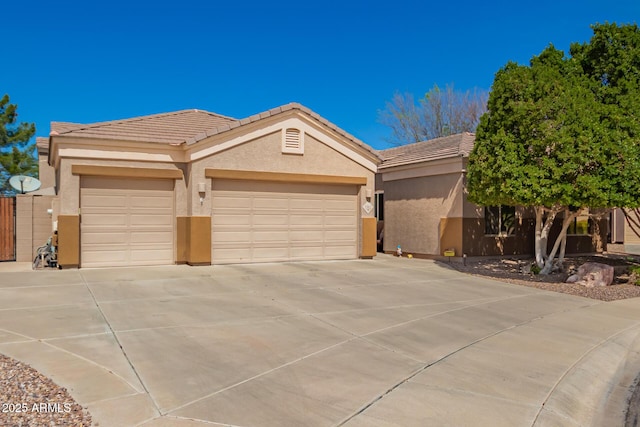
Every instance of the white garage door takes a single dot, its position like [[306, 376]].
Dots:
[[126, 222], [263, 222]]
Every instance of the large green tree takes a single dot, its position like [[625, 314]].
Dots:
[[16, 151], [563, 134]]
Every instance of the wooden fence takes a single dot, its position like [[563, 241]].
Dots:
[[7, 228]]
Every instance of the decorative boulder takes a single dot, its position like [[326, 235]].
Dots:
[[592, 274]]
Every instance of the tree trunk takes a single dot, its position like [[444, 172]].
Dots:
[[543, 227], [563, 244], [563, 249], [539, 251], [563, 234]]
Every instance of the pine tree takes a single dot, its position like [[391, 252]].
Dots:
[[16, 151]]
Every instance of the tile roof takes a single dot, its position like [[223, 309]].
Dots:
[[168, 128], [459, 145], [183, 127], [42, 143], [62, 127]]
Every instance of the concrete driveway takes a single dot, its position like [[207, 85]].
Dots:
[[383, 342]]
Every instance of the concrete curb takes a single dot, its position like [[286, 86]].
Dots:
[[585, 397]]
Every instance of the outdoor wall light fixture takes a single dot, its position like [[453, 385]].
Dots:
[[202, 189]]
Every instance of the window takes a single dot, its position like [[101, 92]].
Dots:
[[581, 225], [499, 220], [379, 202], [292, 141]]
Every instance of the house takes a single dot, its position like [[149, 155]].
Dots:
[[200, 188], [625, 232], [421, 193]]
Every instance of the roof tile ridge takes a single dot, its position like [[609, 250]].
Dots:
[[94, 125]]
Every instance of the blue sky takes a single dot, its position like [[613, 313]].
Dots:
[[95, 61]]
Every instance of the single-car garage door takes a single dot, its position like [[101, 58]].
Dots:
[[255, 221], [126, 222]]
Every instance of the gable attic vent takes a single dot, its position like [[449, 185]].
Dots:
[[292, 141]]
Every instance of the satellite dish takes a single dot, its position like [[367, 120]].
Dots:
[[24, 184]]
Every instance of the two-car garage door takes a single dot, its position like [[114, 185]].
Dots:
[[256, 221], [126, 221]]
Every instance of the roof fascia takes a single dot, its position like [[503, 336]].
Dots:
[[446, 166], [73, 147]]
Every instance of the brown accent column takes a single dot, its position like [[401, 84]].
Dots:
[[451, 235], [199, 236], [193, 240], [369, 247], [182, 240], [68, 241]]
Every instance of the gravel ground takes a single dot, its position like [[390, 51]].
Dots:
[[28, 398], [510, 271]]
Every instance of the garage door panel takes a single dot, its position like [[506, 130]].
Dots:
[[104, 201], [304, 204], [147, 255], [283, 221], [219, 219], [105, 236], [232, 255], [270, 203], [315, 236], [126, 222], [269, 254], [281, 236], [270, 219], [145, 200], [339, 205], [338, 252], [232, 236], [229, 202], [105, 219], [105, 256], [152, 236], [153, 219], [310, 219], [340, 235], [306, 252], [340, 220]]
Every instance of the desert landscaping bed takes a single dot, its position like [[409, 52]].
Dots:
[[28, 398], [512, 270]]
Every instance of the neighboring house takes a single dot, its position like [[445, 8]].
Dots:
[[626, 231], [200, 188], [426, 211]]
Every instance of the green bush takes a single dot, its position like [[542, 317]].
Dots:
[[634, 275]]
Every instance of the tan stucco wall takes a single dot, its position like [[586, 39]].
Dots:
[[69, 191], [46, 174], [630, 235], [265, 154], [34, 225], [414, 208]]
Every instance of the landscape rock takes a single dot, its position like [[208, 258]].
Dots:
[[592, 274]]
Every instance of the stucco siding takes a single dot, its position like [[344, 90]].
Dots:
[[631, 233], [69, 190], [414, 208], [265, 154]]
